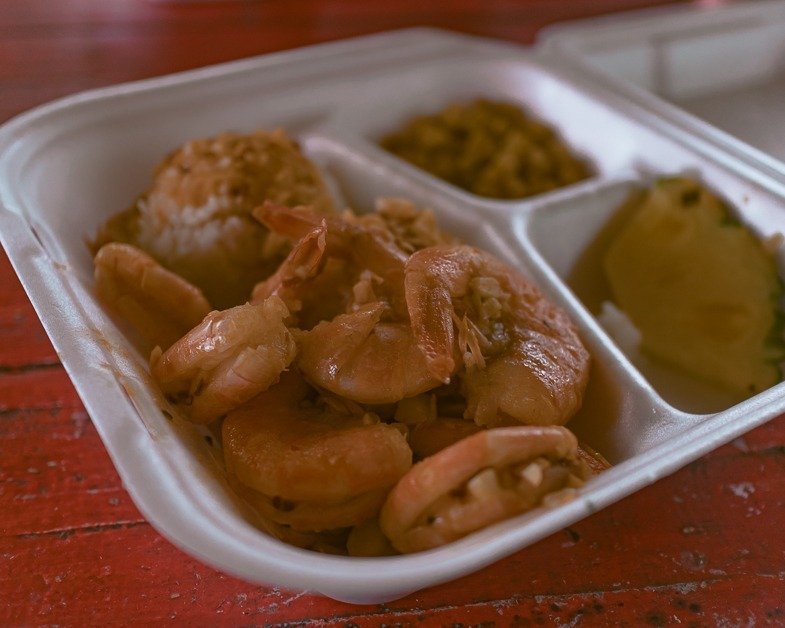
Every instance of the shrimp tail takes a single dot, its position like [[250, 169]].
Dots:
[[367, 248], [292, 222], [303, 262]]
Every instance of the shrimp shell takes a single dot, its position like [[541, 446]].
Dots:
[[302, 263]]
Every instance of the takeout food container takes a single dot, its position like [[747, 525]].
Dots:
[[719, 74], [66, 167]]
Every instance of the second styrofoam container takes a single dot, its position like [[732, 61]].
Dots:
[[719, 71]]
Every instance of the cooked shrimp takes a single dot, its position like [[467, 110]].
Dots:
[[431, 419], [593, 459], [325, 542], [482, 479], [225, 360], [433, 435], [312, 463], [160, 305], [521, 357], [367, 539], [363, 358], [367, 354]]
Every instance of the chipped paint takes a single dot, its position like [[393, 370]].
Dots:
[[742, 489]]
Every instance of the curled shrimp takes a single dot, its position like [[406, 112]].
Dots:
[[521, 357], [225, 360], [485, 478], [368, 353], [160, 305], [311, 462]]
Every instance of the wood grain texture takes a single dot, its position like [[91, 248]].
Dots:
[[702, 547]]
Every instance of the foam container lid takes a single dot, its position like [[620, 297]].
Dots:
[[67, 166]]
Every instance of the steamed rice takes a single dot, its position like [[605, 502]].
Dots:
[[196, 217]]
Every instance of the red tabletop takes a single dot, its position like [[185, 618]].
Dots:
[[702, 547]]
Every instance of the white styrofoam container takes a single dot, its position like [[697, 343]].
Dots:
[[66, 167], [717, 72]]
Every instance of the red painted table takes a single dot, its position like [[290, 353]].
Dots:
[[703, 547]]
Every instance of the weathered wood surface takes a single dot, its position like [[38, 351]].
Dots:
[[702, 547]]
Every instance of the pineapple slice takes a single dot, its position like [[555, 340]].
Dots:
[[701, 289]]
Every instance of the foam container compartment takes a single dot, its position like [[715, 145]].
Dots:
[[66, 167]]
